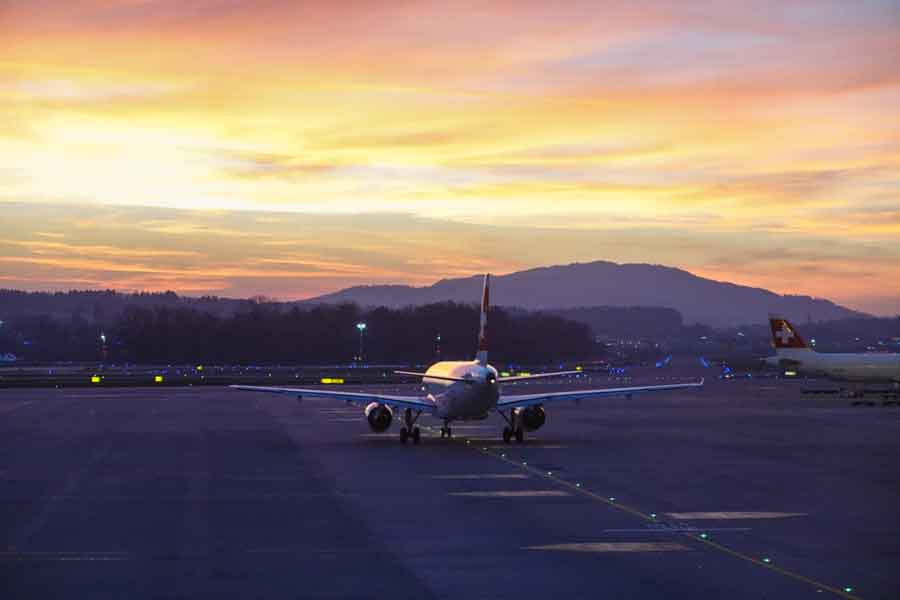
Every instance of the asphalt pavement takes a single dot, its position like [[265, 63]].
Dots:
[[746, 489]]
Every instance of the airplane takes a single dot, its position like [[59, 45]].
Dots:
[[464, 391], [792, 351]]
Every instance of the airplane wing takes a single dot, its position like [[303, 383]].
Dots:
[[359, 398], [522, 400]]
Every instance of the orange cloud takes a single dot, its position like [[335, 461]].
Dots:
[[684, 121]]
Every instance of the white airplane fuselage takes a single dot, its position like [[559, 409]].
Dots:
[[846, 367], [462, 400]]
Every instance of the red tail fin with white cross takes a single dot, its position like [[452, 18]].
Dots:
[[785, 336]]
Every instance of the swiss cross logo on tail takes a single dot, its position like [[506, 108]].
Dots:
[[784, 335]]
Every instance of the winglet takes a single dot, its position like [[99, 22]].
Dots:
[[482, 356]]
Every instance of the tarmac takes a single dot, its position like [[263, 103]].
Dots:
[[745, 489]]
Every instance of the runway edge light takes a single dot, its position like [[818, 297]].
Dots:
[[95, 379], [157, 379]]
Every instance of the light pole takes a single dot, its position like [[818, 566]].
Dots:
[[362, 328]]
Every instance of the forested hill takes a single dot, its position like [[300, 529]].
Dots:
[[601, 283]]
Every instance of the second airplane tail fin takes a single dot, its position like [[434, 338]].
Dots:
[[482, 356], [784, 336]]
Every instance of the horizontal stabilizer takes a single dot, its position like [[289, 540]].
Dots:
[[441, 377], [536, 376]]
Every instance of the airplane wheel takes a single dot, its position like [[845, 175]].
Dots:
[[449, 432], [507, 434], [416, 435], [520, 435], [403, 435]]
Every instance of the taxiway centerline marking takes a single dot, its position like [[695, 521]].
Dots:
[[16, 407], [701, 516], [654, 530], [614, 547], [648, 517], [63, 556], [481, 476], [513, 494]]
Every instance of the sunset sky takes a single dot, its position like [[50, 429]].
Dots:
[[294, 148]]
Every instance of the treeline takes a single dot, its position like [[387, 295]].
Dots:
[[102, 306], [268, 334]]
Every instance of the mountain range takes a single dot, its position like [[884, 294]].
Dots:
[[602, 283]]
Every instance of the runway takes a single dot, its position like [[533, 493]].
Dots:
[[741, 490]]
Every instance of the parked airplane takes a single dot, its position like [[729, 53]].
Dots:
[[465, 390], [792, 351]]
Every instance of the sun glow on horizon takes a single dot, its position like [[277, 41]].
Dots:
[[686, 131]]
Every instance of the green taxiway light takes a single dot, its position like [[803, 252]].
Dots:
[[524, 463], [652, 515], [578, 485], [549, 472], [848, 589], [704, 536], [612, 498], [766, 559]]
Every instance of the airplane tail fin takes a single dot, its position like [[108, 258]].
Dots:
[[784, 336], [482, 356]]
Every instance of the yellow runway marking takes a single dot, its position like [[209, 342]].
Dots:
[[614, 547]]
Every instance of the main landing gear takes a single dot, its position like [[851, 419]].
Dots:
[[445, 430], [509, 433], [513, 429], [409, 430]]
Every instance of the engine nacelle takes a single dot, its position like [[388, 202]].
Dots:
[[531, 418], [379, 417]]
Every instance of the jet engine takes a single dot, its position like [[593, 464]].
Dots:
[[532, 418], [379, 416]]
